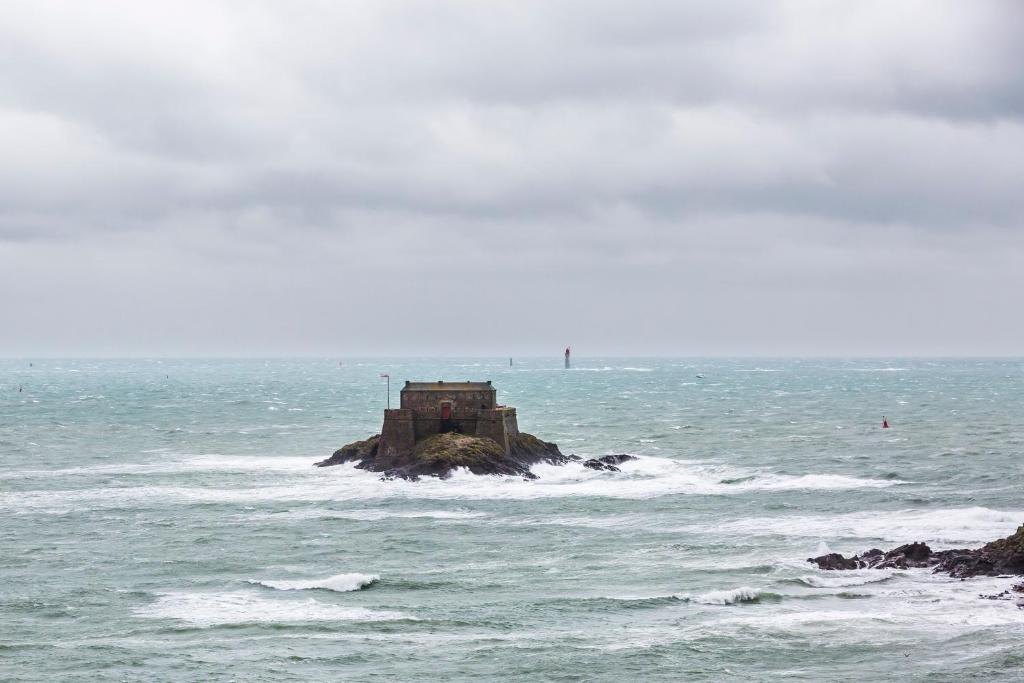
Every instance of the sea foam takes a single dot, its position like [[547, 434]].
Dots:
[[213, 609], [645, 477], [340, 583], [731, 596]]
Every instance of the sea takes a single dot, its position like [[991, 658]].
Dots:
[[162, 520]]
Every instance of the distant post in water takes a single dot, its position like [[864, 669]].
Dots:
[[386, 376], [567, 349]]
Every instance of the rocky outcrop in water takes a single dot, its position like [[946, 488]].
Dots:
[[998, 558], [607, 463], [440, 454]]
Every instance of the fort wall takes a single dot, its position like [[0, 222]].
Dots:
[[398, 434], [429, 408]]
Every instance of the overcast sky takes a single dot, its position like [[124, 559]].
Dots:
[[506, 178]]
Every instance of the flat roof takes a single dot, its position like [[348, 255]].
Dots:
[[447, 386]]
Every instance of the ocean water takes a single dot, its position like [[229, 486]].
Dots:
[[161, 520]]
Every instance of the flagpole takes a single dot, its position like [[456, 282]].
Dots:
[[388, 378]]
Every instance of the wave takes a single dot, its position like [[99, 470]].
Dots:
[[880, 369], [170, 464], [732, 596], [213, 609], [936, 603], [847, 580], [340, 583], [949, 527], [646, 477], [372, 515]]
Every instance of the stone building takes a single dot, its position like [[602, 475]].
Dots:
[[436, 407]]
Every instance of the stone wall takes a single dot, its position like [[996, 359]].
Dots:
[[466, 405], [511, 422], [498, 424], [398, 435]]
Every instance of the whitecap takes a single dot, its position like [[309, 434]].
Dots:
[[846, 579], [645, 477], [944, 527], [212, 609], [731, 596], [340, 583]]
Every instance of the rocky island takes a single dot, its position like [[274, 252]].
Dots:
[[443, 426]]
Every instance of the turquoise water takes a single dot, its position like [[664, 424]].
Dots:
[[162, 521]]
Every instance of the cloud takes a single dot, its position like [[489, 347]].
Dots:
[[187, 168]]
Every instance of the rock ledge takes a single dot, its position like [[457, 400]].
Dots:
[[440, 454], [998, 558]]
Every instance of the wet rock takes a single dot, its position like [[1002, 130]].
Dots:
[[441, 454], [835, 561], [358, 450], [608, 462], [998, 558], [595, 464], [904, 557], [616, 459]]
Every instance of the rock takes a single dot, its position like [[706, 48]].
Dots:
[[440, 454], [616, 459], [358, 450], [835, 561], [608, 462], [998, 558], [595, 464], [904, 557]]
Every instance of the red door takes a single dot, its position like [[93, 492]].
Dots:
[[446, 411]]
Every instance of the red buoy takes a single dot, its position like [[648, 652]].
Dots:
[[885, 423]]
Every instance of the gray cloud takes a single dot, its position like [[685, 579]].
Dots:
[[653, 177]]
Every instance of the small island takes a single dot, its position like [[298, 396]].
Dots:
[[443, 426]]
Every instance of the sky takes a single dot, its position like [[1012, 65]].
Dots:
[[508, 178]]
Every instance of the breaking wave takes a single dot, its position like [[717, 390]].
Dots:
[[848, 580], [646, 477], [213, 609], [944, 527], [732, 596], [341, 583]]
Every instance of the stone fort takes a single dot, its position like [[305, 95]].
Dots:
[[429, 408]]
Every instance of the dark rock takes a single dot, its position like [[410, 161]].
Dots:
[[440, 454], [616, 459], [595, 464], [358, 450], [835, 561], [998, 558], [904, 557]]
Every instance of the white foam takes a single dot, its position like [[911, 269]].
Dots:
[[847, 579], [211, 609], [167, 464], [372, 515], [731, 596], [948, 527], [340, 583], [925, 603], [646, 477], [880, 369]]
